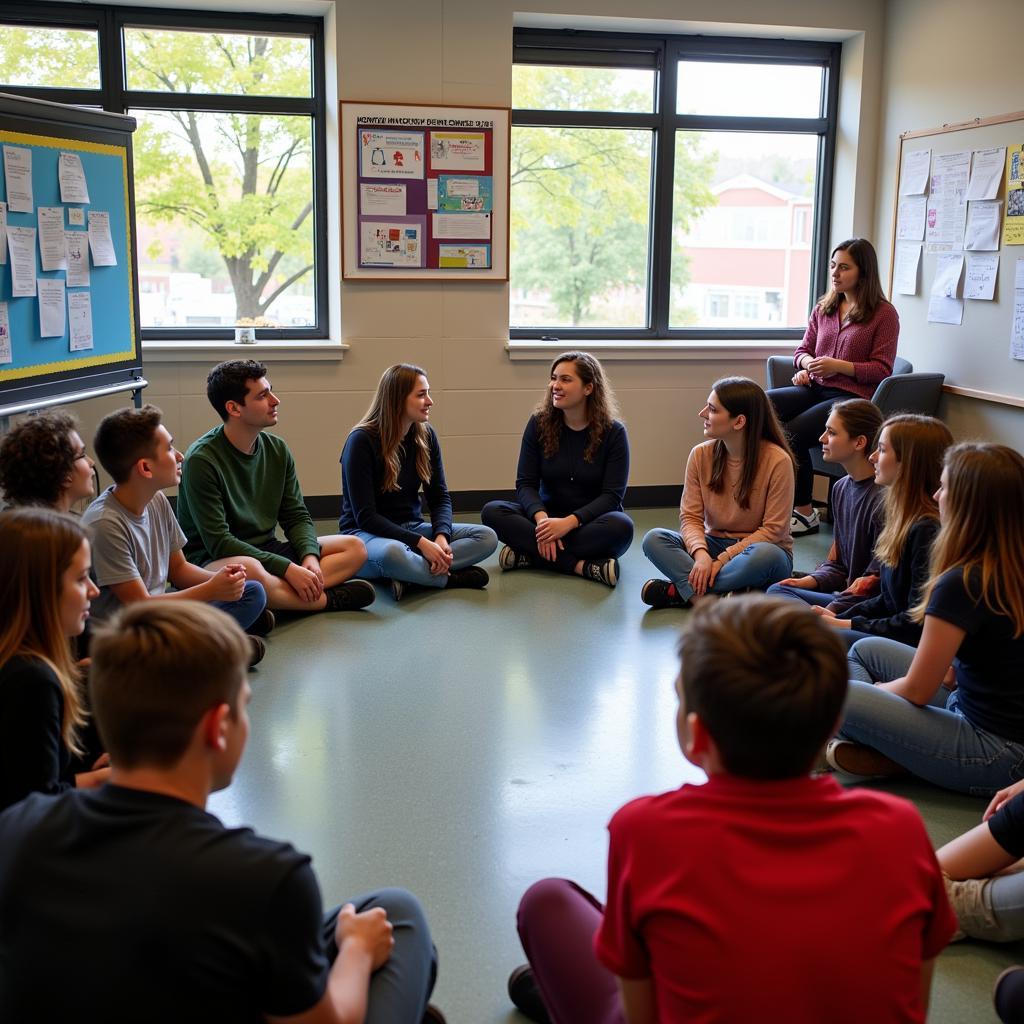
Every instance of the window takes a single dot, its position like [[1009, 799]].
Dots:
[[669, 186], [229, 154]]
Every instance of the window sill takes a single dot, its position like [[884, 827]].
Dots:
[[669, 350], [269, 351]]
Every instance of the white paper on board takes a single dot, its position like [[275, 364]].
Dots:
[[6, 352], [51, 307], [983, 224], [1017, 325], [910, 218], [387, 198], [431, 193], [1018, 276], [3, 233], [908, 257], [914, 172], [948, 268], [21, 244], [79, 321], [73, 188], [76, 245], [943, 310], [52, 254], [986, 173], [76, 216], [18, 172], [980, 279], [462, 225], [100, 242]]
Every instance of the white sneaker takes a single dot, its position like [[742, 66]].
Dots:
[[801, 525]]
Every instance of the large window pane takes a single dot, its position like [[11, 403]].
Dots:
[[224, 208], [580, 227], [742, 229], [48, 58], [546, 87], [161, 60], [748, 90]]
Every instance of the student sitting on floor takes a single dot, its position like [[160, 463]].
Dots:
[[735, 510], [238, 483], [45, 592], [573, 468], [43, 462], [856, 500], [389, 458], [908, 461], [758, 895], [972, 615], [204, 923], [137, 542]]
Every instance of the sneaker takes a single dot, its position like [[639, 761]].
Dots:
[[432, 1015], [257, 649], [264, 624], [525, 995], [1007, 993], [606, 571], [397, 590], [349, 596], [662, 594], [470, 578], [801, 525], [510, 559]]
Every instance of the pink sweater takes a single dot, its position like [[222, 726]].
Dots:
[[702, 511], [871, 347]]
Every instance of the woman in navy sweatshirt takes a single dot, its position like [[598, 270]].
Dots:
[[391, 462], [573, 468]]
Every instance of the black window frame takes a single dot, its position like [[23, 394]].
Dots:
[[663, 53], [113, 95]]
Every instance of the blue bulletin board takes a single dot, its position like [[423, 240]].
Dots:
[[43, 366]]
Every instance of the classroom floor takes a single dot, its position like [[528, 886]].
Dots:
[[465, 744]]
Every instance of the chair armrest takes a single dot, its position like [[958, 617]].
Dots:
[[780, 371]]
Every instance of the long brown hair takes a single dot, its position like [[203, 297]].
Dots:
[[869, 286], [384, 418], [602, 409], [919, 443], [37, 546], [740, 396], [982, 528]]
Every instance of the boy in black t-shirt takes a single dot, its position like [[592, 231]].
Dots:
[[132, 903]]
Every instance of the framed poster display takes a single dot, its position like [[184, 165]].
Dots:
[[425, 192]]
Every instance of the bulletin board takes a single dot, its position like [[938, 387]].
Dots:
[[425, 192], [975, 355], [64, 170]]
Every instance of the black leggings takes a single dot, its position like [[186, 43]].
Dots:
[[607, 536]]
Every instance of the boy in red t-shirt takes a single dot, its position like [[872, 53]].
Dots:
[[765, 894]]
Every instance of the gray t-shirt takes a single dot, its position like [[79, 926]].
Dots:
[[130, 547]]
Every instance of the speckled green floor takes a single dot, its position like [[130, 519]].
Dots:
[[465, 744]]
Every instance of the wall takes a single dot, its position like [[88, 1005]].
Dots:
[[458, 51], [925, 39]]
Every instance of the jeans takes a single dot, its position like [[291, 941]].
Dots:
[[249, 607], [936, 742], [395, 560], [816, 598], [399, 990], [757, 566]]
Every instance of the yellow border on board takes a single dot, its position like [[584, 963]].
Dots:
[[51, 142]]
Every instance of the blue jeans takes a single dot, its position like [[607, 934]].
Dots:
[[936, 742], [248, 608], [816, 598], [395, 560], [757, 566]]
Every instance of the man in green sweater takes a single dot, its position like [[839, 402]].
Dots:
[[238, 484]]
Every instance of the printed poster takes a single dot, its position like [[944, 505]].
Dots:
[[382, 199], [387, 154], [1013, 222], [391, 243], [464, 194], [458, 151], [464, 257]]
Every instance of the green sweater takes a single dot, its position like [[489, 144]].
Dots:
[[230, 503]]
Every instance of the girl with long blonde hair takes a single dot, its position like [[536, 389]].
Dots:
[[907, 461], [45, 592], [390, 465], [972, 616]]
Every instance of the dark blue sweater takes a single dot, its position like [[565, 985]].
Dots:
[[366, 506], [566, 484]]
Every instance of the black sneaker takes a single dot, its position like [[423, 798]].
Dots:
[[470, 578], [606, 572], [432, 1015], [257, 649], [264, 624], [662, 594], [525, 996], [349, 596], [510, 559]]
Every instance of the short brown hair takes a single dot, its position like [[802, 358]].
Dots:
[[768, 680], [157, 668], [37, 458], [860, 418], [124, 437]]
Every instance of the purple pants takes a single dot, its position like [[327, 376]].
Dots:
[[557, 921]]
